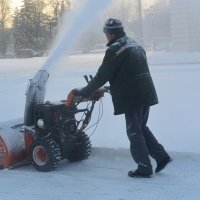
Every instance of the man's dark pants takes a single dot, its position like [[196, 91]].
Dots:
[[142, 141]]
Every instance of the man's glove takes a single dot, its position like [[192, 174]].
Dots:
[[96, 96], [78, 92]]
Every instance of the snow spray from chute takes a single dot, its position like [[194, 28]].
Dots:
[[82, 19]]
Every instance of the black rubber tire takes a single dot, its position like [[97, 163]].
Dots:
[[81, 148], [45, 155]]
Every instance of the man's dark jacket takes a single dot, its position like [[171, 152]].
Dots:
[[125, 67]]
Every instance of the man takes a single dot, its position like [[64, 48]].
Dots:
[[132, 90]]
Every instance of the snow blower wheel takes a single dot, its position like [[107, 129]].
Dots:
[[81, 148], [45, 155]]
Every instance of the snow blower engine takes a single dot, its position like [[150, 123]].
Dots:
[[51, 133]]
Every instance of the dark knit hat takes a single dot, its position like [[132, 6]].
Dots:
[[113, 26]]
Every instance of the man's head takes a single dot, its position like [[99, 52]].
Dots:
[[112, 28]]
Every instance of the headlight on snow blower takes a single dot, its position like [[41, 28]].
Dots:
[[40, 123]]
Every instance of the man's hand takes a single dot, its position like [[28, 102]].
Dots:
[[77, 91]]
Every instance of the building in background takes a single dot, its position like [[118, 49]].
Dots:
[[185, 25], [156, 26], [172, 25]]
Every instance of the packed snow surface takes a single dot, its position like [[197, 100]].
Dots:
[[174, 121]]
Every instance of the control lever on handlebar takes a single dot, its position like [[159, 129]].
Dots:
[[91, 77], [86, 78]]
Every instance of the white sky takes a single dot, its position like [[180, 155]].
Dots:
[[145, 3], [16, 3]]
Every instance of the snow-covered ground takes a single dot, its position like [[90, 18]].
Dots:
[[174, 121]]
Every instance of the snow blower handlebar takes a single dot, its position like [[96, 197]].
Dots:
[[73, 99]]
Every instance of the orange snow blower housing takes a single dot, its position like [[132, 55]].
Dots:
[[14, 147], [50, 132]]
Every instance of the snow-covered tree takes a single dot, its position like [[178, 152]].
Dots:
[[36, 21], [29, 25]]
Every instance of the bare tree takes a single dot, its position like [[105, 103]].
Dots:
[[4, 19], [55, 10], [58, 7]]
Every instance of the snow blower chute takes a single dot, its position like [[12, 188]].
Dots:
[[50, 132]]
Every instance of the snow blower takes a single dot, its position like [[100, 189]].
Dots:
[[50, 132]]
